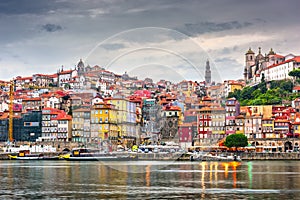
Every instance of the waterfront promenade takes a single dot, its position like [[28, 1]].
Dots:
[[185, 157]]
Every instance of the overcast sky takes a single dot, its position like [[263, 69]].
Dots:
[[158, 39]]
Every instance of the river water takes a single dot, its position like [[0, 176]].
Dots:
[[149, 180]]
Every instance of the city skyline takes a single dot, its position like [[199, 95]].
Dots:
[[170, 39]]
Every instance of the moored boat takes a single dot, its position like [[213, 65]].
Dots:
[[25, 155], [86, 154]]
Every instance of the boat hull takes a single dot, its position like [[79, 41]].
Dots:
[[99, 159], [14, 157]]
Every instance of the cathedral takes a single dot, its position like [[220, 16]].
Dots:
[[80, 68]]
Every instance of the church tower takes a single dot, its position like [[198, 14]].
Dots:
[[207, 73], [250, 61]]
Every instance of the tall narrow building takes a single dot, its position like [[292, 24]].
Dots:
[[207, 73]]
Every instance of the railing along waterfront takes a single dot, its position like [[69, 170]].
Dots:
[[269, 156]]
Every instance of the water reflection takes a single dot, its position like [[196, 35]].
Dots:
[[249, 164], [156, 180]]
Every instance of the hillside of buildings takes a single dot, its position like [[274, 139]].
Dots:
[[92, 105]]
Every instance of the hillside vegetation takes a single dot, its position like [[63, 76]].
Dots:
[[271, 93]]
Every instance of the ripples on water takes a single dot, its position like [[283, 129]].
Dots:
[[149, 180]]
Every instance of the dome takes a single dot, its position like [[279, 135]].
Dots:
[[271, 52], [250, 51], [80, 64], [80, 67], [259, 56]]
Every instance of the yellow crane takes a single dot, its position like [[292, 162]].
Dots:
[[11, 111]]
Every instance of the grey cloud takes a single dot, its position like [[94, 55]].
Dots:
[[207, 27], [51, 27]]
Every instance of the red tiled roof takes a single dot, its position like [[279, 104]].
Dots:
[[234, 82], [24, 78], [296, 88], [66, 72], [63, 116], [45, 95], [297, 59], [82, 110], [278, 56], [32, 99], [53, 75], [175, 108]]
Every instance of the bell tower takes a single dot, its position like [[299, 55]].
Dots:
[[207, 73], [250, 60]]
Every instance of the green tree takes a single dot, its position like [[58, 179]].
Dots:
[[295, 73], [236, 93], [286, 86], [236, 140], [256, 93], [247, 93], [263, 85]]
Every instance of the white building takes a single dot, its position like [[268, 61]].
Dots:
[[53, 102], [65, 76], [3, 106], [104, 88], [281, 70]]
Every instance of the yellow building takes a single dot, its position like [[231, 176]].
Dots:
[[81, 125], [235, 86], [231, 86], [268, 128], [296, 129], [264, 110], [104, 122], [126, 120], [186, 87]]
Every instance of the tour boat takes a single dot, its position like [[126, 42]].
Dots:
[[86, 154], [25, 155]]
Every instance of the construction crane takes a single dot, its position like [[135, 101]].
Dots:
[[11, 111]]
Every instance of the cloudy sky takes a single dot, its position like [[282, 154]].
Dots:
[[161, 39]]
